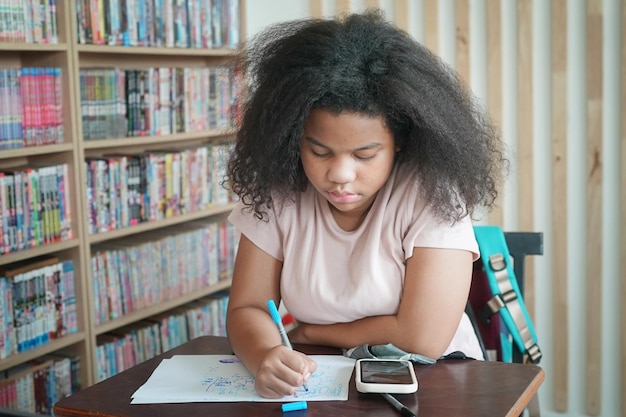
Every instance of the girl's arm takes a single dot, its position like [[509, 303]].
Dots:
[[434, 297], [252, 333]]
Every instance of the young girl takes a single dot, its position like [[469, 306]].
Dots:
[[359, 161]]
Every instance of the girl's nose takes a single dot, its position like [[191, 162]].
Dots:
[[342, 171]]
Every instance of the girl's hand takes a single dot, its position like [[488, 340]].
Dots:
[[282, 371]]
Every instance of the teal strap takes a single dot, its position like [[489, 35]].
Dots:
[[506, 345], [507, 298]]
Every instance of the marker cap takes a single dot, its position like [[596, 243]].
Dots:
[[298, 405]]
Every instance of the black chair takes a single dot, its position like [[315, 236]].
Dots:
[[520, 244]]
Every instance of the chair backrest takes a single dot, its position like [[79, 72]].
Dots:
[[520, 245]]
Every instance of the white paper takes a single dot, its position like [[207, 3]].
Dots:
[[223, 378]]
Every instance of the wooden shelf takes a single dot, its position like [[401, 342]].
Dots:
[[151, 140], [36, 150], [159, 224], [160, 308], [52, 346], [33, 47], [146, 50], [39, 251], [71, 58]]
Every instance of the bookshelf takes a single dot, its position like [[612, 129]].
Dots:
[[82, 240]]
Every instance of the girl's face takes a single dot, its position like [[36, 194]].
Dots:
[[347, 157]]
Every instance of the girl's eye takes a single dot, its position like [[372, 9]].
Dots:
[[364, 157], [319, 154]]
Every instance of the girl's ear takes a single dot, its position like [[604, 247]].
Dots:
[[398, 148]]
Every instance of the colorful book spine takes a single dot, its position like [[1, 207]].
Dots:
[[46, 205], [35, 386], [37, 96], [142, 32], [94, 22], [70, 312], [54, 28], [30, 21], [3, 217], [160, 23], [15, 109], [5, 141], [8, 341], [141, 103], [47, 105], [169, 23], [47, 21], [165, 101], [181, 20], [27, 106], [38, 20], [27, 16], [150, 22], [19, 211], [36, 207], [132, 19], [152, 99]]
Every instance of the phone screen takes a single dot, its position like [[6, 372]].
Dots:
[[385, 372]]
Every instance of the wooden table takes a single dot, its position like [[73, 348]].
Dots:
[[448, 388]]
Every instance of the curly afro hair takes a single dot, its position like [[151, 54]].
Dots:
[[360, 63]]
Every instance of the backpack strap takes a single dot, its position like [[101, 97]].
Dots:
[[507, 299]]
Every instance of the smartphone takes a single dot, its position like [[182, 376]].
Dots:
[[393, 376]]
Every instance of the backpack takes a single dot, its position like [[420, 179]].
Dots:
[[496, 304]]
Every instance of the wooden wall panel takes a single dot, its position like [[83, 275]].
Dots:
[[494, 83], [372, 4], [462, 17], [560, 350], [525, 137], [342, 7], [401, 14], [593, 363], [316, 8], [431, 26], [622, 320]]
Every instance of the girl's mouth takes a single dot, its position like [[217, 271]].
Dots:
[[342, 198]]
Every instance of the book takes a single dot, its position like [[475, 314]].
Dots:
[[27, 280]]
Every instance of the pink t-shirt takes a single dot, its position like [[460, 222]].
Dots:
[[330, 275]]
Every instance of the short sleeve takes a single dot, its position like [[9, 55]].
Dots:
[[265, 234], [426, 231]]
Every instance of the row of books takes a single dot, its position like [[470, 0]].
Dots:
[[34, 207], [30, 21], [159, 23], [30, 107], [116, 103], [128, 347], [125, 190], [160, 266], [35, 387], [38, 304]]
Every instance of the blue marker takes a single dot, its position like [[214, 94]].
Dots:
[[295, 406], [281, 329]]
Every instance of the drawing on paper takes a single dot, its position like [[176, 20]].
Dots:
[[223, 378], [220, 383]]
